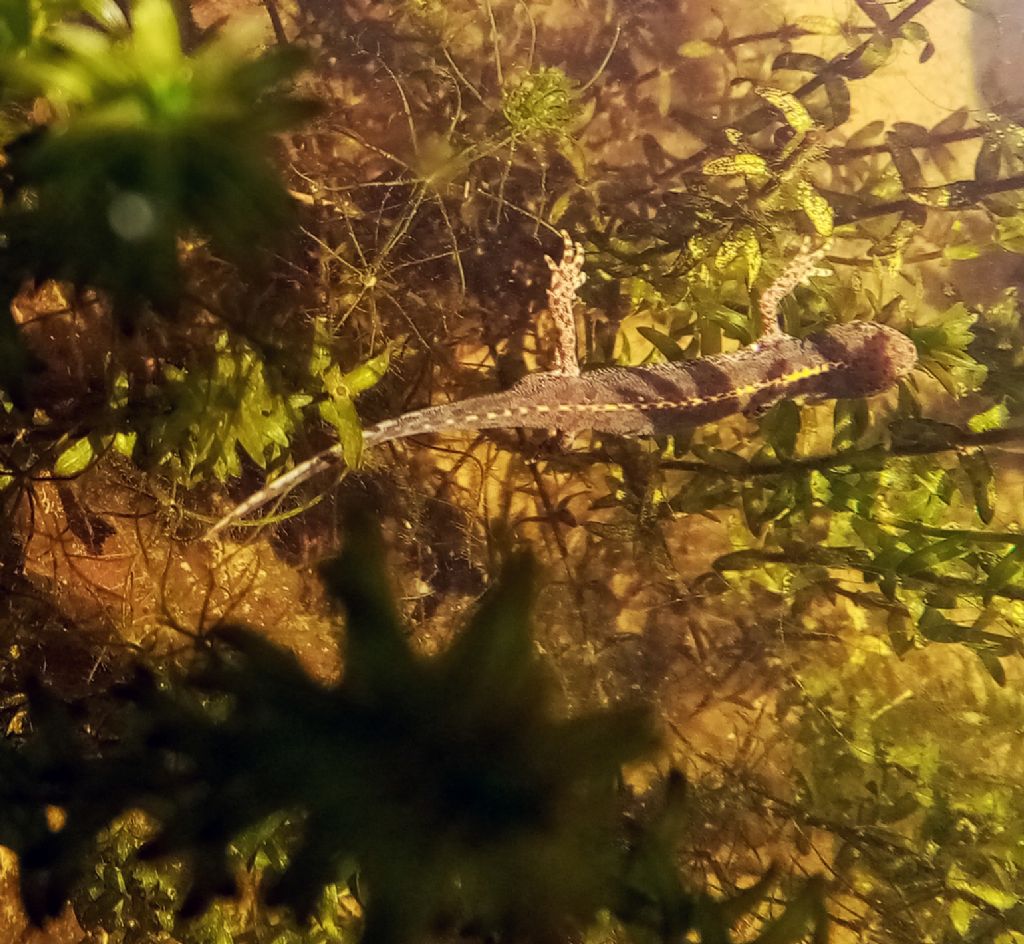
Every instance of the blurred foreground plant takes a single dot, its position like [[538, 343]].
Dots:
[[451, 787], [148, 146]]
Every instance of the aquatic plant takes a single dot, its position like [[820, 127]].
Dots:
[[457, 139], [199, 420], [147, 146], [453, 787]]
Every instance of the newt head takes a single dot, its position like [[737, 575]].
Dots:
[[871, 357]]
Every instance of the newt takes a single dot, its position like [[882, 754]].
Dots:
[[852, 360]]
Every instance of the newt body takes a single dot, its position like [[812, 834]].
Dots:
[[853, 360]]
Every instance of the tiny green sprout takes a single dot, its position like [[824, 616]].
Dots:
[[542, 102]]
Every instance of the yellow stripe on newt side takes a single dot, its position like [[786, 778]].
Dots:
[[746, 390], [640, 403]]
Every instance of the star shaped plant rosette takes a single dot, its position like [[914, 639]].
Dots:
[[451, 783], [452, 789]]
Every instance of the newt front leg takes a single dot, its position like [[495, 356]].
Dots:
[[567, 276]]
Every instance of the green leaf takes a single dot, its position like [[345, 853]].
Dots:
[[107, 13], [15, 23], [560, 206], [252, 436], [943, 339], [665, 346], [75, 459], [799, 62], [994, 668], [781, 428], [981, 478], [1010, 233], [749, 165], [995, 417], [838, 93], [851, 420], [916, 32], [938, 553], [876, 53], [965, 250], [910, 134], [819, 25], [817, 209], [935, 627], [995, 897], [988, 163], [1006, 571], [155, 35], [720, 459], [961, 913], [866, 135], [124, 443], [697, 49], [792, 109], [952, 123], [754, 504], [341, 414], [366, 374], [900, 629], [904, 160]]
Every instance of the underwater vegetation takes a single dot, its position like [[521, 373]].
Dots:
[[446, 792], [227, 245]]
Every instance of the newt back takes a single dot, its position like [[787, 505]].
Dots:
[[853, 360]]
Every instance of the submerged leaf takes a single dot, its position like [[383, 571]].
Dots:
[[750, 165], [697, 49], [981, 477], [75, 458]]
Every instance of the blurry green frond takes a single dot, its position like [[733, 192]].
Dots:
[[25, 23], [150, 146]]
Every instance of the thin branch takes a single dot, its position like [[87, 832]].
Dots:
[[840, 154], [958, 195], [275, 21], [865, 459], [846, 558]]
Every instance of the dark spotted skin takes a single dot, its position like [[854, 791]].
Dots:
[[843, 361]]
